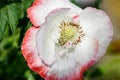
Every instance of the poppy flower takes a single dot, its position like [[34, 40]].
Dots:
[[65, 40]]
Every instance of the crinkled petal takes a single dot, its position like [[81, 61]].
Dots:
[[41, 8], [96, 23], [30, 52]]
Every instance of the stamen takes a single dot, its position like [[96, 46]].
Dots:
[[70, 32]]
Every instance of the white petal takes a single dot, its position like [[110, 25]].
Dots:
[[97, 24], [48, 35], [41, 8]]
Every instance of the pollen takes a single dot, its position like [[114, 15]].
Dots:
[[70, 32]]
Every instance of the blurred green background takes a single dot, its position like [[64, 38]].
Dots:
[[14, 23]]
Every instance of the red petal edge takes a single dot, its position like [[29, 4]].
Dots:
[[30, 52], [94, 59], [35, 3]]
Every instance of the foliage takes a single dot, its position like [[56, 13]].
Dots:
[[13, 25]]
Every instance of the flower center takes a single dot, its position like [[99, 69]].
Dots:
[[70, 32]]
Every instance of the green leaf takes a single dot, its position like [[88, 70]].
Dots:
[[74, 1], [98, 3], [3, 20], [19, 10], [3, 3], [13, 17], [29, 75]]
